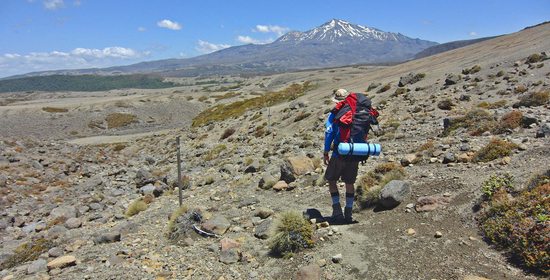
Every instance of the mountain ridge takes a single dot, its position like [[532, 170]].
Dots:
[[335, 43]]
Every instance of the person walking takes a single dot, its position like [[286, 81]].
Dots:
[[338, 128]]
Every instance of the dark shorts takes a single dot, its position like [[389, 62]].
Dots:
[[339, 168]]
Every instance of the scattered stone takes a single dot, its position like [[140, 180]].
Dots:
[[55, 252], [280, 186], [409, 79], [309, 272], [408, 159], [543, 131], [62, 262], [505, 160], [295, 166], [262, 230], [431, 203], [263, 212], [449, 157], [411, 231], [473, 277], [438, 234], [66, 212], [39, 265], [229, 256], [228, 243], [337, 258], [73, 223], [452, 79], [107, 237], [218, 225], [394, 193]]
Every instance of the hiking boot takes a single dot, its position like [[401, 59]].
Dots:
[[337, 212], [347, 215]]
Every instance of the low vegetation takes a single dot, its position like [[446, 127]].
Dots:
[[385, 88], [135, 207], [370, 185], [236, 109], [508, 121], [55, 110], [518, 222], [215, 152], [27, 252], [534, 99], [473, 70], [291, 234], [83, 83], [496, 148], [475, 122], [116, 120], [494, 105]]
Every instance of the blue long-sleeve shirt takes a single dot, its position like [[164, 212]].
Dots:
[[332, 134]]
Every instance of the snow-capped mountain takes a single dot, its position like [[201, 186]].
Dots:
[[337, 30], [335, 43]]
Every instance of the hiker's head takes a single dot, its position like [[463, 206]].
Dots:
[[339, 95]]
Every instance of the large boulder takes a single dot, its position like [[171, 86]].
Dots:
[[218, 225], [296, 166], [394, 193], [409, 79]]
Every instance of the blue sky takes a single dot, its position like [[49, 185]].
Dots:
[[37, 35]]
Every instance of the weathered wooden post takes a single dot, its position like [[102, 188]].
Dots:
[[179, 170]]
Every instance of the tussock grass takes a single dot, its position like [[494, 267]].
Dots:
[[475, 122], [496, 148], [54, 110], [27, 252], [509, 121], [291, 234], [370, 185], [534, 99], [135, 207], [174, 216], [116, 120], [494, 105], [232, 110]]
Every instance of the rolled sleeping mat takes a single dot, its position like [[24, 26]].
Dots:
[[359, 149]]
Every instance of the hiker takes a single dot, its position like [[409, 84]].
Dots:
[[349, 121]]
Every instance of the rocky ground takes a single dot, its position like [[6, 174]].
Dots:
[[64, 204]]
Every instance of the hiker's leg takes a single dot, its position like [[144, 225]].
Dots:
[[331, 175], [349, 178]]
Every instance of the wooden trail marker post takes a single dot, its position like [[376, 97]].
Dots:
[[179, 170]]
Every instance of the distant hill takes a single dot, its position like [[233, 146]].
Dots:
[[449, 46], [82, 83], [335, 43]]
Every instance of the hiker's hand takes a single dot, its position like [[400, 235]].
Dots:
[[325, 158]]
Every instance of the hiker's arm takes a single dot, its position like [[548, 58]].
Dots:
[[329, 137]]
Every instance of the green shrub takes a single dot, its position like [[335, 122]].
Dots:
[[495, 184], [370, 185], [534, 99], [26, 252], [495, 149], [519, 224], [291, 234], [136, 207]]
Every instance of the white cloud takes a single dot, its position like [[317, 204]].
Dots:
[[166, 23], [250, 40], [473, 33], [13, 63], [53, 4], [271, 29], [141, 29], [206, 47]]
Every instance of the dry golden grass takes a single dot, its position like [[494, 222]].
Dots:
[[116, 120], [55, 110]]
